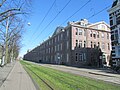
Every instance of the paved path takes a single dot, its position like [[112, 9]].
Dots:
[[100, 74], [18, 79], [4, 72]]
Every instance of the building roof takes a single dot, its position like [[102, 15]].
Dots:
[[58, 30]]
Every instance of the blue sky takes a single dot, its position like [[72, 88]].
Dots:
[[36, 32]]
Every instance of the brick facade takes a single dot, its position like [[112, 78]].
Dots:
[[76, 44]]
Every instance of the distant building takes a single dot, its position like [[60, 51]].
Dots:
[[114, 16], [78, 44]]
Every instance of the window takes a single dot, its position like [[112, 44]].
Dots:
[[76, 43], [80, 32], [58, 47], [67, 45], [111, 22], [46, 50], [61, 36], [107, 35], [55, 39], [61, 56], [67, 33], [118, 20], [80, 44], [94, 44], [97, 34], [112, 37], [116, 35], [61, 46], [90, 33], [55, 48], [108, 46], [76, 31], [84, 32], [103, 45], [81, 57], [84, 56], [51, 57], [94, 35], [58, 37], [49, 50], [102, 35], [67, 57], [52, 41], [84, 43], [91, 44], [98, 44], [103, 27]]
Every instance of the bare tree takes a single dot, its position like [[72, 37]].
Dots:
[[14, 7], [10, 37], [11, 26]]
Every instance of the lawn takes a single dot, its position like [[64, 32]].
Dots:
[[50, 79]]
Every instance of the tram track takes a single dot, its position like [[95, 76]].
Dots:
[[50, 87]]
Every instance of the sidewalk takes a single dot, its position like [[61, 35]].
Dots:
[[4, 72], [18, 79]]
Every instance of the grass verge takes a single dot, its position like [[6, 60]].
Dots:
[[64, 81]]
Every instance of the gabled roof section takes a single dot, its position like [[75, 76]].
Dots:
[[100, 26], [58, 30], [101, 22]]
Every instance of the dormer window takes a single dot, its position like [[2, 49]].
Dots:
[[103, 27]]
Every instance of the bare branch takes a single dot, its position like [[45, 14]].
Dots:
[[3, 1], [10, 16], [13, 9]]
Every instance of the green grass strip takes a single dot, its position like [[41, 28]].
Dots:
[[65, 81]]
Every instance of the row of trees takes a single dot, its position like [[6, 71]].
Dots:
[[12, 13]]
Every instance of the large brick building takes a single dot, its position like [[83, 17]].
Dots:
[[114, 16], [79, 43]]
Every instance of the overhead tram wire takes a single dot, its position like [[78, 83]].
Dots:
[[93, 14], [43, 18], [76, 11], [53, 19]]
